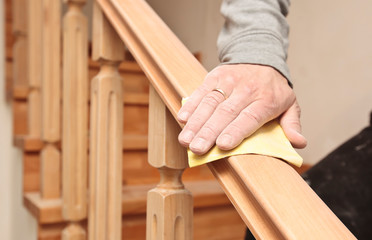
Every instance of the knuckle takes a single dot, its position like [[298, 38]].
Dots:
[[296, 124], [229, 108], [248, 91], [208, 131], [253, 116], [272, 106], [194, 124], [298, 110], [230, 80], [235, 131], [211, 99]]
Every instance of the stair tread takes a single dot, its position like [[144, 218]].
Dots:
[[35, 144], [206, 194]]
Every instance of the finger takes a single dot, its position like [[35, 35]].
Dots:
[[249, 120], [193, 101], [216, 79], [202, 113], [224, 114], [290, 122]]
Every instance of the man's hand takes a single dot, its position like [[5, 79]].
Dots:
[[255, 94]]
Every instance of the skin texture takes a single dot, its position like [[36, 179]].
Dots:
[[255, 95]]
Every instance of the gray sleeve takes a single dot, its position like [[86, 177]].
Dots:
[[256, 32]]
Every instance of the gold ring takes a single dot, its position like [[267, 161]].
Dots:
[[220, 91]]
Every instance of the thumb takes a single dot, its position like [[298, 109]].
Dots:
[[290, 122]]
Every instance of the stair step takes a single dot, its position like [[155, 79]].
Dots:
[[205, 193], [30, 144]]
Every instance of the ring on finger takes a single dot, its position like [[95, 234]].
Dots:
[[220, 91]]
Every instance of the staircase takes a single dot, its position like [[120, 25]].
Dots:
[[90, 121]]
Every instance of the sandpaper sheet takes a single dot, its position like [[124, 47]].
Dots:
[[269, 140]]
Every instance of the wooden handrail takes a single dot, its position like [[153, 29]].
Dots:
[[270, 196], [154, 48]]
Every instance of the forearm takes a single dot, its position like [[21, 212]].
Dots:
[[256, 32]]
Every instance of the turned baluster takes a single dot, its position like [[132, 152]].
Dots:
[[51, 103], [20, 29], [106, 129], [35, 67], [169, 205], [75, 120]]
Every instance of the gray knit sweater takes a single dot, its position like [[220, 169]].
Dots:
[[255, 31]]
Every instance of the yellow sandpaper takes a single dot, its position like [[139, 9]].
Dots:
[[269, 140]]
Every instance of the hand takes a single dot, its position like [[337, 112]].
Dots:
[[255, 95]]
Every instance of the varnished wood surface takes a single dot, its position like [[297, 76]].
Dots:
[[151, 61], [169, 213], [50, 166], [276, 204], [164, 58], [51, 71], [106, 128], [50, 172], [171, 93], [20, 43], [221, 223], [34, 61], [75, 120], [75, 112], [206, 194]]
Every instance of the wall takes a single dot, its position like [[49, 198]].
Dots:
[[197, 23], [5, 186], [330, 58], [15, 222]]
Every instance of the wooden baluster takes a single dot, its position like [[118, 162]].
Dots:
[[35, 22], [75, 120], [105, 177], [20, 29], [51, 103], [169, 205]]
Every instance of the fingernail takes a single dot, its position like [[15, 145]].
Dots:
[[298, 133], [183, 116], [225, 140], [198, 145], [187, 136]]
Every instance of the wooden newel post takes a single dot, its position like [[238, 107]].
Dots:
[[106, 134], [169, 205], [75, 120]]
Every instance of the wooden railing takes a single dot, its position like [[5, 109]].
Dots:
[[271, 198]]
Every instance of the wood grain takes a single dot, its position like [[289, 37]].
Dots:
[[20, 46], [276, 204], [75, 120], [50, 172], [50, 175], [51, 73], [169, 205], [75, 112], [35, 26], [164, 59], [106, 133]]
